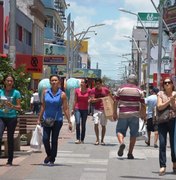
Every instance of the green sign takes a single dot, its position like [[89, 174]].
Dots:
[[148, 16]]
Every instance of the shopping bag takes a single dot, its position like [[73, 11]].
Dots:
[[36, 140], [142, 132], [108, 104], [72, 119]]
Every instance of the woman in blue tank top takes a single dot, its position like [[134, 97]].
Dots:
[[53, 101], [10, 103]]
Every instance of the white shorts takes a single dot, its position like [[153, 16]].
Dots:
[[99, 117]]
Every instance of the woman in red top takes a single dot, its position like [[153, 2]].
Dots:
[[80, 110]]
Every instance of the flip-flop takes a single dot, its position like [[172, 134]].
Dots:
[[96, 143], [102, 143]]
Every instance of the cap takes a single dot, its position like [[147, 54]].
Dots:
[[155, 90], [132, 79]]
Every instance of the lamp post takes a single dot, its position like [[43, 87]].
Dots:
[[140, 57], [148, 45]]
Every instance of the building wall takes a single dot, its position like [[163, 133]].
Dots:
[[26, 24], [1, 26]]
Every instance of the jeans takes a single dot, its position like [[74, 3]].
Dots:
[[36, 107], [163, 129], [51, 149], [80, 118], [10, 124]]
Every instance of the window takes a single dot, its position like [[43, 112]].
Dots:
[[19, 32], [27, 37]]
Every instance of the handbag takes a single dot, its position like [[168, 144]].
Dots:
[[142, 132], [49, 122], [163, 115]]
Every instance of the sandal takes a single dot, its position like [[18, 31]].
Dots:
[[102, 143], [96, 143]]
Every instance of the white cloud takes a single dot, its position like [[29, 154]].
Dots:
[[109, 43]]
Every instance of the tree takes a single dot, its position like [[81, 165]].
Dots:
[[22, 80]]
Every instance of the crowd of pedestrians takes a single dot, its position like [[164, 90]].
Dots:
[[129, 105]]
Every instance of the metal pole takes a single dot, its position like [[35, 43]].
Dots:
[[160, 47], [72, 51], [68, 46], [148, 62], [12, 44]]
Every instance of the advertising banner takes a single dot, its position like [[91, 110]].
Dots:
[[33, 64]]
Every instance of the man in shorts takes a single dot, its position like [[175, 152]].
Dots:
[[152, 125], [129, 99], [98, 116]]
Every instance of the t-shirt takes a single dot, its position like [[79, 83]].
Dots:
[[150, 101], [129, 98], [82, 99], [99, 93], [6, 111]]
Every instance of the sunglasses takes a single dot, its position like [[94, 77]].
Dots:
[[167, 82]]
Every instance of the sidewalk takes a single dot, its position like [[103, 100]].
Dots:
[[89, 162], [23, 157]]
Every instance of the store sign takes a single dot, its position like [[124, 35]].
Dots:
[[54, 60], [148, 16], [33, 64]]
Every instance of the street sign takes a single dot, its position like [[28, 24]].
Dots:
[[148, 16]]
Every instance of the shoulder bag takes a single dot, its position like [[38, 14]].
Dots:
[[163, 115]]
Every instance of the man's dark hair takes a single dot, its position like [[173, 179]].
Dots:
[[98, 80]]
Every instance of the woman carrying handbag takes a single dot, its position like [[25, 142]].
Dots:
[[166, 99], [53, 101]]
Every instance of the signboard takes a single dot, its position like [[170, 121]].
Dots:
[[54, 60], [33, 64], [54, 49], [148, 16], [86, 73]]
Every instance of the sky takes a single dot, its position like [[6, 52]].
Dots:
[[108, 45]]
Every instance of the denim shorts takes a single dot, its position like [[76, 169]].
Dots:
[[124, 123]]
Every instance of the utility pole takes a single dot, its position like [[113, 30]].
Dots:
[[160, 46], [68, 46], [12, 44]]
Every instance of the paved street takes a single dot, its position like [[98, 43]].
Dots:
[[87, 161]]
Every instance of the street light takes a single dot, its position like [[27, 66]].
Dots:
[[140, 57], [148, 45]]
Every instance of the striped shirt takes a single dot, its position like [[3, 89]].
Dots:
[[129, 98]]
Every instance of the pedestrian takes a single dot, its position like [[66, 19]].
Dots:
[[80, 110], [166, 99], [53, 101], [10, 103], [129, 99], [152, 125], [35, 101], [97, 93]]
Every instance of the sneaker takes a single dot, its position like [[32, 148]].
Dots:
[[155, 146], [130, 156], [46, 160], [77, 142], [9, 164], [121, 149], [51, 164]]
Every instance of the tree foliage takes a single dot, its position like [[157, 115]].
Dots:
[[22, 80]]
